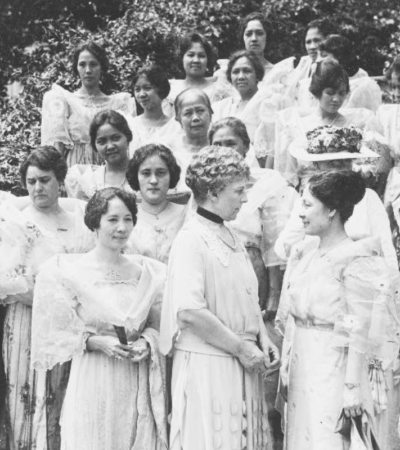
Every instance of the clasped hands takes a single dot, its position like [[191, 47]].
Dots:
[[265, 360], [134, 351]]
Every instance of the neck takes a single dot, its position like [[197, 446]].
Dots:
[[122, 167], [90, 90], [249, 95], [154, 114], [154, 208], [106, 256], [325, 115], [198, 141], [333, 236], [52, 210], [195, 81]]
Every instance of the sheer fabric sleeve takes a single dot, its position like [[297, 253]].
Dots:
[[55, 112], [58, 333], [368, 321], [366, 94], [124, 103]]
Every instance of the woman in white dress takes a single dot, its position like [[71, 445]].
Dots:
[[66, 116], [212, 319], [105, 317], [110, 136], [153, 171], [343, 303], [28, 238], [151, 87]]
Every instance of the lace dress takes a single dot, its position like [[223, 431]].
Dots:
[[109, 403], [339, 300], [66, 118], [215, 402], [32, 408]]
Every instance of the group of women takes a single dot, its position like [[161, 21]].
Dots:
[[139, 318]]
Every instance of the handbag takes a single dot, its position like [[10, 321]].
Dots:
[[358, 431]]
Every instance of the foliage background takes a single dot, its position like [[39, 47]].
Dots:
[[37, 38]]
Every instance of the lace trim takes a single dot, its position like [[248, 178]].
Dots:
[[220, 250]]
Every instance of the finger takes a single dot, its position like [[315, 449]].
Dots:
[[346, 412], [122, 353], [353, 412], [141, 357]]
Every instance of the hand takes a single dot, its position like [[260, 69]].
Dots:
[[109, 345], [139, 350], [352, 403], [251, 357], [272, 358]]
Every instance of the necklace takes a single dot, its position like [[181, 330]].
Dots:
[[112, 272], [334, 120], [118, 187], [328, 249], [231, 246], [157, 213]]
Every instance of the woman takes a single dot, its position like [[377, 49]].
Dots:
[[222, 347], [391, 92], [66, 116], [151, 87], [197, 58], [343, 304], [28, 239], [330, 87], [110, 136], [153, 171], [105, 318]]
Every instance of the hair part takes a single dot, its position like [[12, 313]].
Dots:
[[254, 61], [338, 190], [113, 118], [212, 169], [234, 124], [147, 151], [328, 74], [45, 158], [96, 50], [157, 77], [99, 203]]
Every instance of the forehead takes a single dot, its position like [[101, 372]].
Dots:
[[36, 172], [238, 183], [254, 25], [106, 129], [142, 80], [243, 62], [341, 87], [314, 33], [225, 133], [153, 162], [116, 207], [85, 55], [196, 47], [192, 99]]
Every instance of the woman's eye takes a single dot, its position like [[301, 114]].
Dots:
[[116, 137], [100, 142]]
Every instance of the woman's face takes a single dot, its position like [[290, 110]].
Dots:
[[332, 99], [146, 94], [229, 200], [116, 225], [194, 116], [255, 37], [244, 78], [313, 39], [89, 69], [195, 61], [226, 137], [154, 180], [43, 187], [314, 214], [112, 145]]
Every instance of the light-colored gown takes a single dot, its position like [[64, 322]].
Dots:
[[66, 118], [339, 300], [215, 402], [24, 247], [109, 403]]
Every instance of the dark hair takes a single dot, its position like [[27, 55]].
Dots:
[[155, 76], [254, 16], [233, 123], [196, 38], [343, 51], [338, 189], [146, 151], [324, 26], [113, 118], [96, 50], [328, 74], [45, 158], [255, 62], [98, 205], [394, 68], [179, 99]]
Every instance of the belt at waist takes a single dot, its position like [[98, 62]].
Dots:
[[310, 324], [191, 343]]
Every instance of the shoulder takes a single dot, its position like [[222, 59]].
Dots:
[[357, 116]]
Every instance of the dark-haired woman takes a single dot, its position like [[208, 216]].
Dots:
[[330, 87], [110, 136], [28, 239], [151, 87], [152, 172], [364, 91], [342, 301], [66, 116], [105, 317]]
